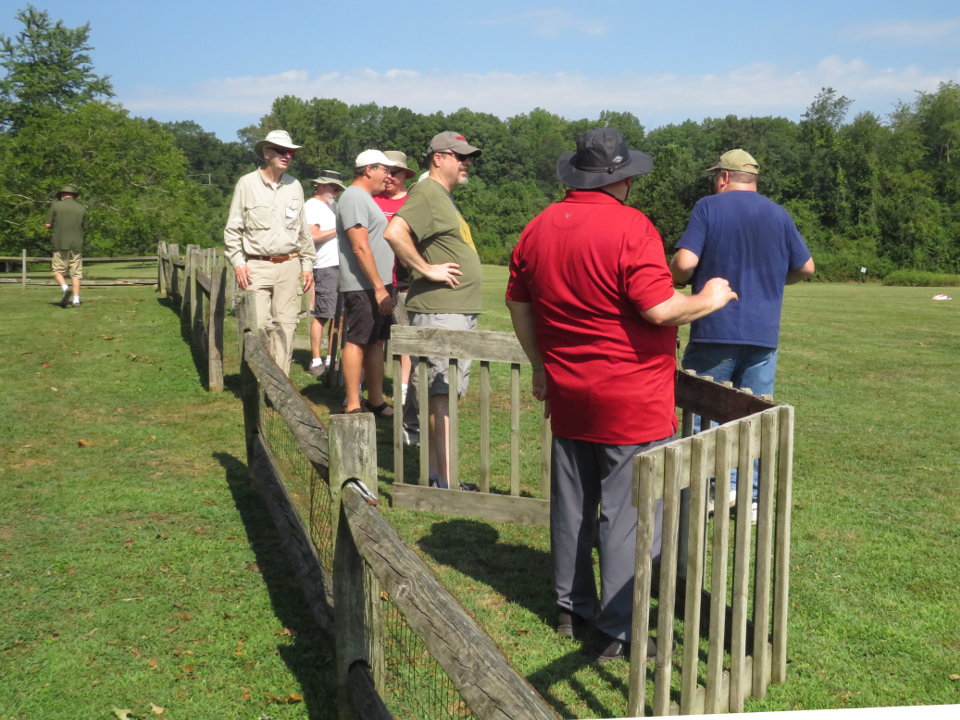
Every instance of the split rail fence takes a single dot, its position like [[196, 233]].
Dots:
[[44, 277], [404, 644], [197, 283]]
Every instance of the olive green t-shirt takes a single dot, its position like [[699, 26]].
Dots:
[[441, 235], [68, 218]]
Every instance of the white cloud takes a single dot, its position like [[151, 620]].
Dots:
[[656, 99]]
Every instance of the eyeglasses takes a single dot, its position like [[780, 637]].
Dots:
[[283, 152], [458, 156], [396, 172]]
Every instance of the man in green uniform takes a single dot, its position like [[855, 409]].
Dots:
[[430, 237], [68, 220]]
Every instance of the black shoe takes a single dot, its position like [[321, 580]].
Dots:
[[65, 300], [468, 487], [607, 649], [569, 624]]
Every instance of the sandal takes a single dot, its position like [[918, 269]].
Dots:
[[381, 411]]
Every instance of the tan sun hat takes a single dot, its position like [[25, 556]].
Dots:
[[279, 138], [400, 161]]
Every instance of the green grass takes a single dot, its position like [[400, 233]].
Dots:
[[146, 544], [138, 567]]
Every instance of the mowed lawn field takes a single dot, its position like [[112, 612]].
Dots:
[[138, 571]]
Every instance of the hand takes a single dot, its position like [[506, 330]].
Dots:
[[384, 301], [307, 281], [445, 273], [718, 292], [243, 277], [539, 384]]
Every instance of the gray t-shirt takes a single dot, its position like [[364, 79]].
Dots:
[[356, 207]]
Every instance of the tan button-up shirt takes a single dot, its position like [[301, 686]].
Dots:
[[267, 219]]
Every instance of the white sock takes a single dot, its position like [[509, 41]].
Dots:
[[316, 361], [64, 287], [403, 394], [76, 299]]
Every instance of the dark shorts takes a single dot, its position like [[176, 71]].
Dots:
[[325, 283], [365, 325]]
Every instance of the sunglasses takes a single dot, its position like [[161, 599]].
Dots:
[[283, 151]]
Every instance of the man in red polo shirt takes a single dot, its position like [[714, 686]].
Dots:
[[594, 307]]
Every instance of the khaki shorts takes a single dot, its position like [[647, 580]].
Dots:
[[67, 261]]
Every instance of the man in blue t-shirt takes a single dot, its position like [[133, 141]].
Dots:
[[740, 235]]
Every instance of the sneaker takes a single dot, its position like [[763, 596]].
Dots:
[[76, 303], [435, 483], [608, 648], [65, 300], [317, 370], [468, 487], [569, 624], [411, 438]]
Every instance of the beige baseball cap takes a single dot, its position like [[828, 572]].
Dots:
[[737, 161]]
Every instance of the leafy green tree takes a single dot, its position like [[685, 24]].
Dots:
[[130, 174], [47, 68]]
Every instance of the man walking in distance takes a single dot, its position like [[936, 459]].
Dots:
[[268, 244], [752, 241], [68, 220], [392, 198], [430, 237], [366, 266], [322, 224], [594, 308]]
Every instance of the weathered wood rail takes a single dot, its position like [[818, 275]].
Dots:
[[197, 282], [45, 277], [369, 565]]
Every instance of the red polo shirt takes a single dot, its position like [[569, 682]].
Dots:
[[589, 265]]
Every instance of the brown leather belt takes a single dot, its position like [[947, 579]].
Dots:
[[273, 258]]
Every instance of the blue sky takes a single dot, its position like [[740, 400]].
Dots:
[[222, 64]]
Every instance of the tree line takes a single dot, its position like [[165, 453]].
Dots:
[[867, 192]]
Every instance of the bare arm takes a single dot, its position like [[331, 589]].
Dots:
[[401, 240], [681, 309], [360, 245], [525, 326], [321, 236], [682, 266], [801, 273]]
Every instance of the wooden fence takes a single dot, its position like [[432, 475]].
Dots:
[[46, 278], [705, 560], [322, 489], [197, 283]]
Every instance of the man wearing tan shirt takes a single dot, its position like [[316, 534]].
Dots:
[[269, 245]]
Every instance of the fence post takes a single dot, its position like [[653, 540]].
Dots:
[[215, 329], [353, 457], [23, 267]]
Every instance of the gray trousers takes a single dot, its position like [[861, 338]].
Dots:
[[586, 478]]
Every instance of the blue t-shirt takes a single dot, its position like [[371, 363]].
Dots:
[[752, 242]]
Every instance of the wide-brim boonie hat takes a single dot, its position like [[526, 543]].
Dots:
[[280, 138], [67, 190], [329, 177], [400, 161], [602, 157]]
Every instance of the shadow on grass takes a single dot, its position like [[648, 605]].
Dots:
[[310, 657]]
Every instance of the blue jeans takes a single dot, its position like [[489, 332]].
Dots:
[[746, 366]]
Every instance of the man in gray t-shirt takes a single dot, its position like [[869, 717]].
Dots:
[[366, 269]]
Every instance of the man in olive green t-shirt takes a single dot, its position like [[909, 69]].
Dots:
[[429, 236], [68, 220]]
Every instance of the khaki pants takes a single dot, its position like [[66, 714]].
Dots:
[[277, 288]]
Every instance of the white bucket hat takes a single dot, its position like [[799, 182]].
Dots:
[[280, 138]]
